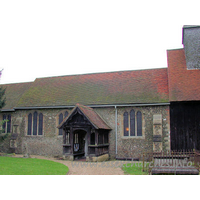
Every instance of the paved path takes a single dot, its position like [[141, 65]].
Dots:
[[88, 168]]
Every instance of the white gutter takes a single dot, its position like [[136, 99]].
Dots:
[[92, 106]]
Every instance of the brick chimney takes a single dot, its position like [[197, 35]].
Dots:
[[191, 42]]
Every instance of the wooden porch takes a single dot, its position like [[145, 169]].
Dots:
[[85, 134]]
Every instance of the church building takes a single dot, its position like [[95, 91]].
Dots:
[[115, 114]]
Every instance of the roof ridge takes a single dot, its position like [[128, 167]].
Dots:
[[16, 83], [96, 73]]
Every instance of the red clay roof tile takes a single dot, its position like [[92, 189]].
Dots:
[[184, 84], [13, 93], [140, 86]]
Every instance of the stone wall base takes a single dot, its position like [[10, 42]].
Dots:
[[101, 158], [68, 157]]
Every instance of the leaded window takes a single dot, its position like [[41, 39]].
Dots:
[[66, 113], [4, 124], [139, 123], [35, 124], [132, 123], [135, 126], [60, 117], [6, 127], [40, 124], [60, 121], [29, 124], [126, 125]]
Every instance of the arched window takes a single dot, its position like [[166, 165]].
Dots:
[[35, 123], [40, 124], [126, 126], [6, 127], [60, 117], [29, 124], [66, 113], [8, 123], [132, 123], [4, 124], [135, 120], [139, 123], [60, 120]]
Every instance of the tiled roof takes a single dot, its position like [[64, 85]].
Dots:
[[90, 114], [13, 93], [140, 86], [184, 84]]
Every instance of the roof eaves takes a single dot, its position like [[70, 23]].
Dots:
[[7, 110]]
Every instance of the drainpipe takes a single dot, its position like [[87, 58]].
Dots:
[[116, 131]]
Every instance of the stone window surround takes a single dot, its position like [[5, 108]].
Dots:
[[26, 124], [122, 122]]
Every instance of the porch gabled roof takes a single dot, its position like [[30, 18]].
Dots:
[[91, 116]]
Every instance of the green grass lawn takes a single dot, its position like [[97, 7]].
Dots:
[[133, 169], [30, 166]]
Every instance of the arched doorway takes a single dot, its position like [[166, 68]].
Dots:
[[80, 146]]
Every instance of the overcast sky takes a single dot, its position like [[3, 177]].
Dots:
[[44, 38]]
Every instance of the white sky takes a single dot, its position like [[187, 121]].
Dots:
[[41, 38]]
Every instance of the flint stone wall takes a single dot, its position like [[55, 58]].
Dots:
[[50, 143]]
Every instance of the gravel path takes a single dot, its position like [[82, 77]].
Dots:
[[88, 168]]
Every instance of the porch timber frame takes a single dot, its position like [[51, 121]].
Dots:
[[94, 135]]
